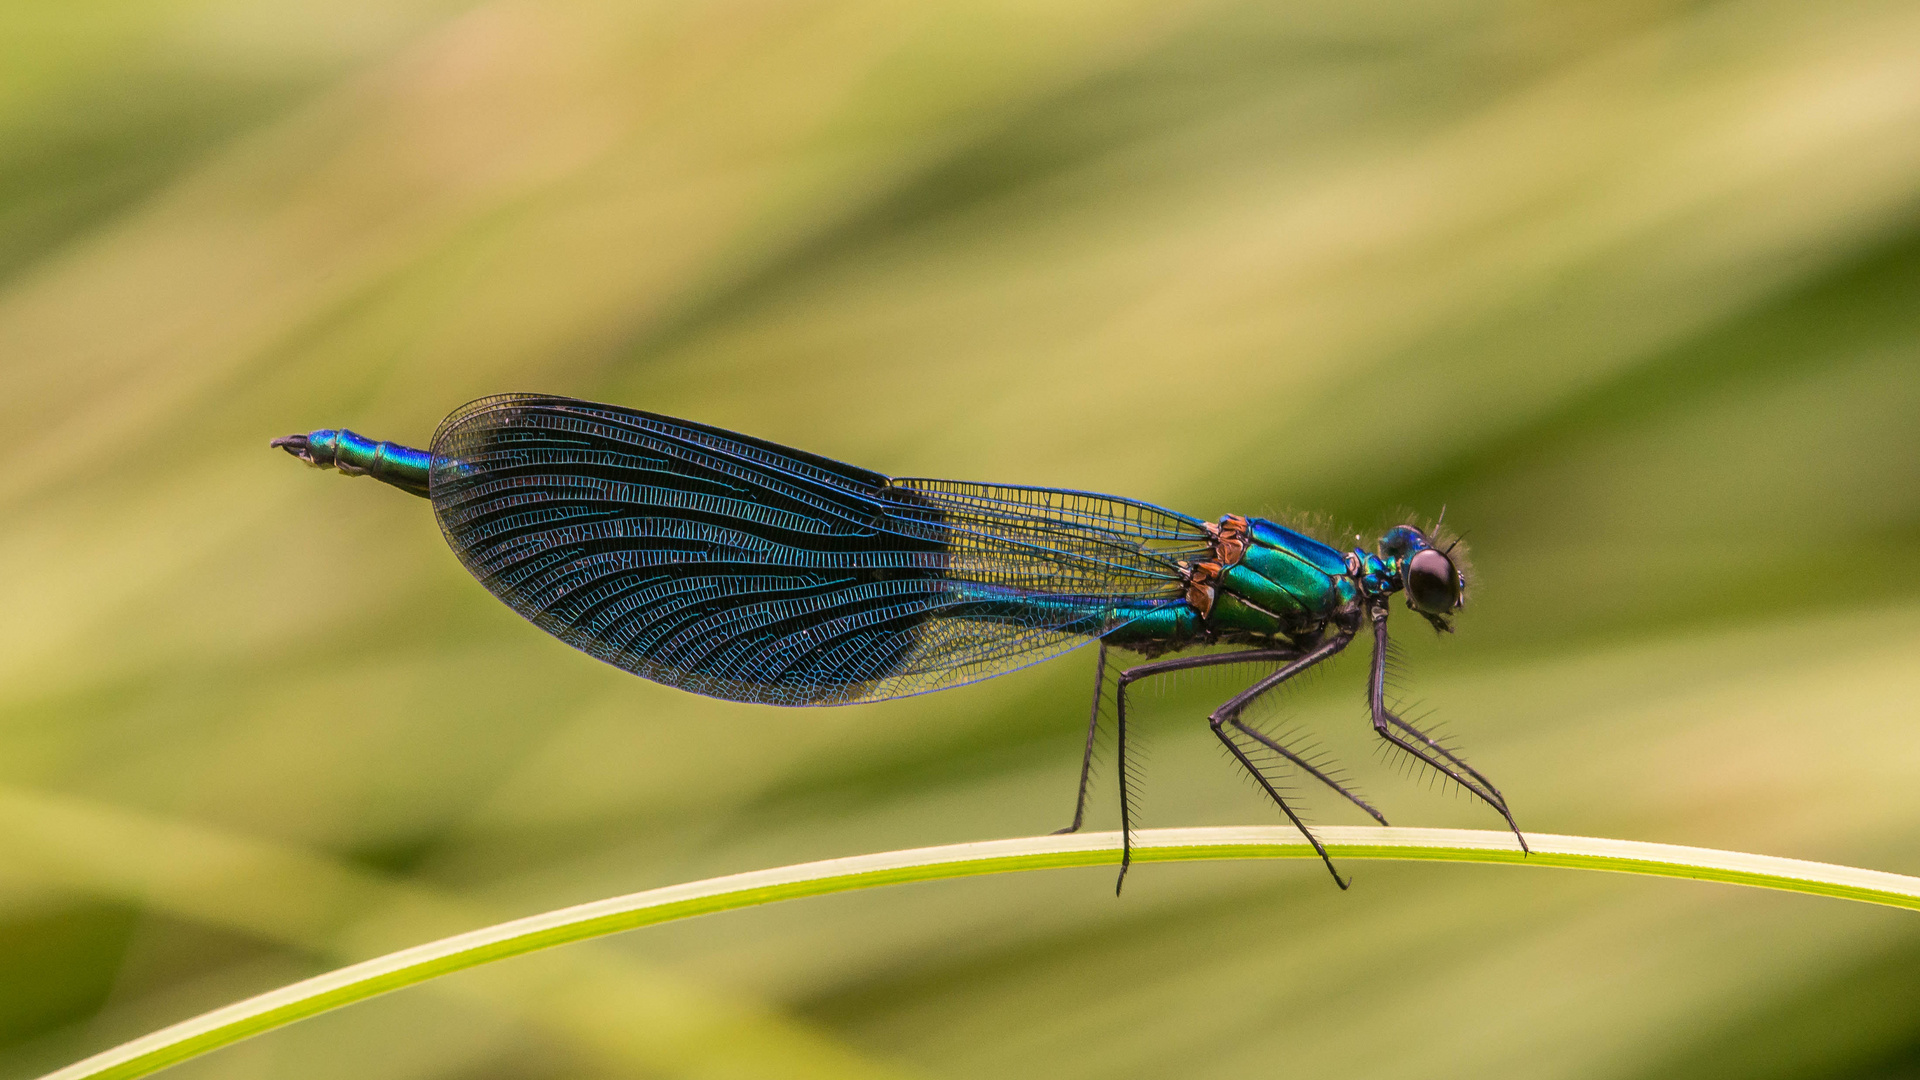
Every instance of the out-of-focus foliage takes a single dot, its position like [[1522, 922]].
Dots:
[[1630, 288]]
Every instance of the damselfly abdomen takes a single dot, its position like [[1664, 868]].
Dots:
[[735, 568]]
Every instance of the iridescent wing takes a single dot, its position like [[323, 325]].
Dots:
[[739, 569]]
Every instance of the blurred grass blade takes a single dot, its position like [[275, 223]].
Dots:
[[617, 1011], [310, 997]]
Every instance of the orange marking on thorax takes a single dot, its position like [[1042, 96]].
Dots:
[[1229, 544], [1230, 539]]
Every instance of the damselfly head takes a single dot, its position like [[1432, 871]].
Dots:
[[1435, 585]]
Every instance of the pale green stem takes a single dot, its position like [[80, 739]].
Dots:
[[241, 1020]]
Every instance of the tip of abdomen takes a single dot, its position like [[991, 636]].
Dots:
[[297, 445], [390, 463]]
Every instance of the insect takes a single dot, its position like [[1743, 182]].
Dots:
[[738, 569]]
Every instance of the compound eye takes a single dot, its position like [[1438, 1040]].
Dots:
[[1432, 585]]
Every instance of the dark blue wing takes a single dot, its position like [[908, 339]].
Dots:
[[740, 569]]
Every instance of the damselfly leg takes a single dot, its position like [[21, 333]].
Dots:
[[1268, 741], [1086, 759], [1142, 671], [1427, 750], [1165, 667], [1229, 713], [1309, 768]]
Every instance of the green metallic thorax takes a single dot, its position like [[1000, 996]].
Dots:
[[1267, 585], [1285, 585]]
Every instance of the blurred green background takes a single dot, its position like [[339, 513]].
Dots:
[[1631, 288]]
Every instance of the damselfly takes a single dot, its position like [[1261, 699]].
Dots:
[[735, 568]]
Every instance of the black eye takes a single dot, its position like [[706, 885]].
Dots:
[[1432, 585]]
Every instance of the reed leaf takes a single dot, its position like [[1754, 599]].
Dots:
[[358, 982]]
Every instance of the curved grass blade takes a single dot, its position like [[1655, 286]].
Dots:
[[394, 971]]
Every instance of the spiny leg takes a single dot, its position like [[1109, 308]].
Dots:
[[1161, 667], [1377, 694], [1376, 698], [1440, 748], [1309, 768], [1086, 759], [1239, 703], [1428, 751], [1229, 713], [1126, 797]]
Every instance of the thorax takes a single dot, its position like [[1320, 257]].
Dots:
[[1268, 582]]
